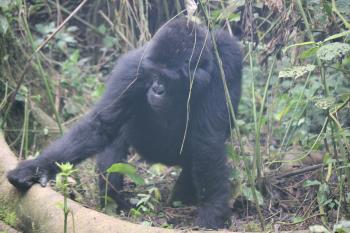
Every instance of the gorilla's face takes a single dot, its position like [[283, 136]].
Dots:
[[169, 89], [166, 90], [157, 93]]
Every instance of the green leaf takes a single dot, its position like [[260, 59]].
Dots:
[[66, 169], [299, 44], [309, 53], [296, 71], [122, 168], [158, 169], [98, 91], [102, 28], [248, 194], [332, 51], [109, 41], [298, 219], [4, 24], [215, 14], [336, 36], [234, 17], [127, 170], [322, 194], [325, 103], [309, 183]]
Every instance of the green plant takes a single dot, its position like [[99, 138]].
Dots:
[[8, 216], [63, 185], [147, 202], [124, 169]]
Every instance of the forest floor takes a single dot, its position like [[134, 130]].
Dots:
[[287, 203]]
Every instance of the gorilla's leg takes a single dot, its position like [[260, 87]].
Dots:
[[114, 153], [211, 179], [184, 189]]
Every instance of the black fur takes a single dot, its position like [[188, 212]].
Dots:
[[145, 106]]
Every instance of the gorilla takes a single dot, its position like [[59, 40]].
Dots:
[[167, 101]]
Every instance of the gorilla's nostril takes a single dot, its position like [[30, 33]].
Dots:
[[158, 89]]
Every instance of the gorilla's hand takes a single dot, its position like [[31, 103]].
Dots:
[[27, 173], [212, 218]]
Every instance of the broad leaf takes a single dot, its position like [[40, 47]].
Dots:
[[309, 52], [330, 52], [248, 194], [127, 170], [336, 36], [325, 103], [296, 71], [309, 183]]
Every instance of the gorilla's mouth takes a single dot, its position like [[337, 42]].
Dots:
[[156, 102]]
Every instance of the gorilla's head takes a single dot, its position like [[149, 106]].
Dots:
[[179, 52]]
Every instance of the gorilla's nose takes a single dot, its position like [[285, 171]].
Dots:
[[158, 89]]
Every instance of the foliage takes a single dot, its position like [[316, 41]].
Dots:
[[128, 170], [66, 170], [146, 203], [295, 100], [8, 216]]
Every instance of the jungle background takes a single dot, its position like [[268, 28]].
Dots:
[[290, 149]]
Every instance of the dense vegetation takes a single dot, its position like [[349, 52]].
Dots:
[[290, 150]]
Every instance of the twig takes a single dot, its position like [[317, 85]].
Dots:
[[300, 171], [94, 29], [301, 221]]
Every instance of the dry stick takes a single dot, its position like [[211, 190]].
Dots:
[[300, 171], [115, 29], [229, 106], [94, 29], [301, 221]]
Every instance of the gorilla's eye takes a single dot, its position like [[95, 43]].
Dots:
[[155, 77]]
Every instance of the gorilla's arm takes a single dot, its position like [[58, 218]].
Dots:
[[208, 135], [94, 132]]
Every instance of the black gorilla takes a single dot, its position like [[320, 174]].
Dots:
[[145, 106]]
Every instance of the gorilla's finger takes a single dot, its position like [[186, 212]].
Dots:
[[43, 180]]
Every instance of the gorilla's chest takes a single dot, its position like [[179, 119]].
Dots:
[[159, 139]]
